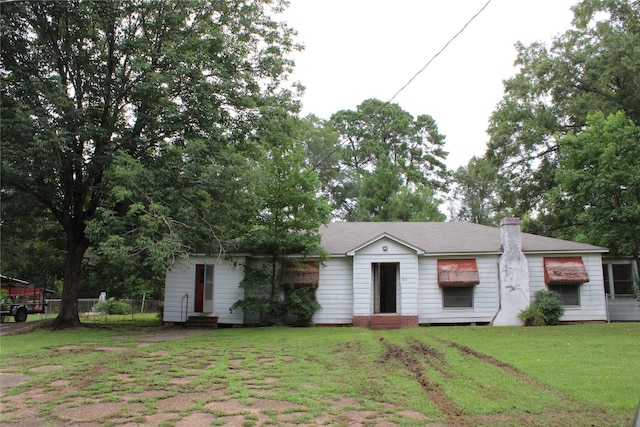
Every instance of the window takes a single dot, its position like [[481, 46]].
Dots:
[[208, 282], [456, 278], [618, 280], [564, 275], [569, 294], [457, 297]]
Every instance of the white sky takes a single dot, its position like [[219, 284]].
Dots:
[[360, 49]]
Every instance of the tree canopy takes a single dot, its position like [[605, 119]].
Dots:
[[591, 67], [130, 122], [386, 153], [475, 193], [599, 178]]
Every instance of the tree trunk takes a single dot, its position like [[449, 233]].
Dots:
[[68, 316]]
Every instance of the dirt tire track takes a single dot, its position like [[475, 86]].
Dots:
[[433, 391], [433, 357]]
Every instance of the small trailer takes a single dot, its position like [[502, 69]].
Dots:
[[20, 299]]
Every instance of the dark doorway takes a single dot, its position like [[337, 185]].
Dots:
[[385, 278]]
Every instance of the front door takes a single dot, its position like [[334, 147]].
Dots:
[[385, 280], [203, 300]]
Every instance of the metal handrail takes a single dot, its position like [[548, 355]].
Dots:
[[183, 318]]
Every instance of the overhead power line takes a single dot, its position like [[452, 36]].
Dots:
[[440, 51]]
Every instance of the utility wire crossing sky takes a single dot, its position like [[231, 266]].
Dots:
[[360, 49]]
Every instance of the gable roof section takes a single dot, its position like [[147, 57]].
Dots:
[[439, 238], [382, 236]]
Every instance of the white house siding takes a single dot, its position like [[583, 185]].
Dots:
[[624, 310], [485, 294], [180, 280], [592, 299], [335, 293], [407, 286]]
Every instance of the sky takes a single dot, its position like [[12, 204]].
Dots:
[[360, 49]]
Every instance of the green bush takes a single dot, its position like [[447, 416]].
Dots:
[[302, 303], [546, 309], [112, 306], [532, 316], [266, 312], [551, 306]]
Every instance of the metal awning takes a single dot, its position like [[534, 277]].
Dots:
[[458, 272], [565, 271]]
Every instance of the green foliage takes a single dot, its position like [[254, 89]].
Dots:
[[130, 125], [261, 309], [532, 316], [546, 309], [255, 305], [387, 154], [323, 155], [112, 306], [591, 67], [289, 211], [32, 247], [475, 194], [600, 178], [302, 303]]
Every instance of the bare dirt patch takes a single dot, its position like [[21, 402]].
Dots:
[[47, 368], [11, 380]]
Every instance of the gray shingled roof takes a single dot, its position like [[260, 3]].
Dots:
[[438, 238]]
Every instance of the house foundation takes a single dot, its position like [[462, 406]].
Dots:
[[385, 321]]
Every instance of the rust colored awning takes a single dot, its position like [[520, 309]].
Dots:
[[304, 274], [565, 271], [457, 272]]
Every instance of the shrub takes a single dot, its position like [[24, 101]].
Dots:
[[302, 303], [546, 309], [112, 306], [532, 316], [264, 311], [551, 306]]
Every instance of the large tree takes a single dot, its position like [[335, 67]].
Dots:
[[600, 182], [323, 154], [136, 113], [290, 212], [385, 149], [591, 67], [475, 190]]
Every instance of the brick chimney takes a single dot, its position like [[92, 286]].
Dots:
[[513, 275]]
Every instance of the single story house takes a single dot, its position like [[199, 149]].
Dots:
[[403, 274]]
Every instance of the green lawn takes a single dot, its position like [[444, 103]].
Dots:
[[563, 375]]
